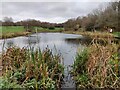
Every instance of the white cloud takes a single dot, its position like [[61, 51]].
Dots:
[[47, 11]]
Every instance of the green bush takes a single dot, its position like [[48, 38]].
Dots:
[[80, 62], [6, 84], [79, 68], [51, 28]]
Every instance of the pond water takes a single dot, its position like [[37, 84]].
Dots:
[[65, 44]]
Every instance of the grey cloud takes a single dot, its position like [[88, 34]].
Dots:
[[47, 11]]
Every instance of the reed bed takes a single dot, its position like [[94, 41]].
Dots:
[[11, 35], [29, 68], [98, 66], [92, 34]]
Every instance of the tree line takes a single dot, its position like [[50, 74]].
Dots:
[[99, 20], [8, 21]]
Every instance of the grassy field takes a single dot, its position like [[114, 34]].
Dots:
[[11, 29], [14, 31]]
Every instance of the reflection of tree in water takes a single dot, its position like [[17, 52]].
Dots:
[[82, 41], [9, 43], [32, 40], [88, 41]]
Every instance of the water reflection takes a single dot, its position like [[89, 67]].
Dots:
[[9, 43], [82, 41], [32, 40]]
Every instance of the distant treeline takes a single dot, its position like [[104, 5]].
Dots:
[[29, 23], [100, 19]]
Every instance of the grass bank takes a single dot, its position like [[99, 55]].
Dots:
[[92, 34], [14, 34], [98, 67], [14, 31], [117, 34], [26, 68]]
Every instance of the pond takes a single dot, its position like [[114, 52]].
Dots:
[[65, 44]]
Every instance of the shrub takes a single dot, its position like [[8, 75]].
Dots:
[[51, 28]]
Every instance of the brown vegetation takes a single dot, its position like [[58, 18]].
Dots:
[[10, 35], [103, 65], [98, 66], [92, 34], [98, 20], [29, 68]]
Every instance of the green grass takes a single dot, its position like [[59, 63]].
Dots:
[[117, 34], [40, 29], [14, 31], [11, 29], [17, 29]]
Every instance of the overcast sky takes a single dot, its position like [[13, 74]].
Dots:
[[55, 12]]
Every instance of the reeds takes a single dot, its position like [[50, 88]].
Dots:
[[32, 68], [11, 35], [101, 67], [92, 34]]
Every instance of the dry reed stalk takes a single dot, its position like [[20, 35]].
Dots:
[[98, 64]]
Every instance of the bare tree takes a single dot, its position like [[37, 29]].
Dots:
[[8, 21]]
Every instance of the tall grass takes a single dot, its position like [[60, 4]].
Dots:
[[32, 69], [101, 67], [93, 34]]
